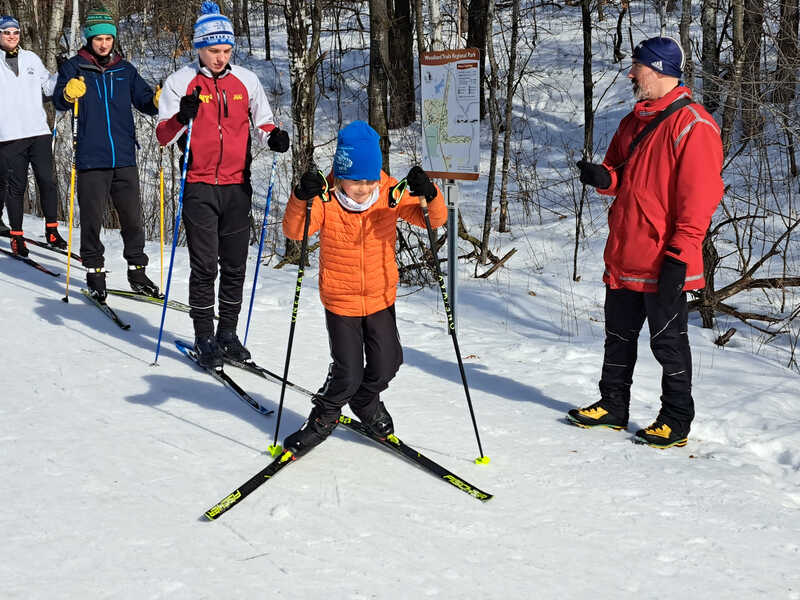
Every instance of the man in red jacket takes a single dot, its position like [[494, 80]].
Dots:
[[667, 186], [227, 106]]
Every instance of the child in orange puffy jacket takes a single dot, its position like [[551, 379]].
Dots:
[[357, 276]]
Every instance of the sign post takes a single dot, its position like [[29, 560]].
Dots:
[[451, 133]]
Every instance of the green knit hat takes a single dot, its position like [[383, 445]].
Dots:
[[99, 22]]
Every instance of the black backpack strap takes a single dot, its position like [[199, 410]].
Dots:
[[662, 116]]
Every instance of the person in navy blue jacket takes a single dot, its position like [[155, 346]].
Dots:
[[108, 87]]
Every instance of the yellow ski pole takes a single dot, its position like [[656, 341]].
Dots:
[[71, 192], [161, 190]]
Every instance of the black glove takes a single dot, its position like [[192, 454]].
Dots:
[[188, 108], [278, 140], [671, 280], [311, 185], [420, 184], [594, 174]]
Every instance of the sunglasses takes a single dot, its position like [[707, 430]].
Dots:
[[10, 32]]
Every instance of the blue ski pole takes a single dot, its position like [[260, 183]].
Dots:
[[175, 230], [261, 243]]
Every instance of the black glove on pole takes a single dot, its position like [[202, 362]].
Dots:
[[671, 280], [594, 174], [420, 184], [278, 140], [188, 108], [310, 186]]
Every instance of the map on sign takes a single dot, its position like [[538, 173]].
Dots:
[[451, 113]]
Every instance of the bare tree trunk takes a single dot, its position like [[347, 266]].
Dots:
[[511, 86], [476, 38], [711, 88], [436, 25], [588, 123], [618, 54], [246, 24], [735, 83], [74, 28], [686, 42], [303, 22], [785, 74], [494, 119], [378, 85], [752, 27], [419, 25], [402, 109], [53, 33], [267, 44]]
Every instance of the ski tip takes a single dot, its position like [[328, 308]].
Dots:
[[482, 460], [274, 450]]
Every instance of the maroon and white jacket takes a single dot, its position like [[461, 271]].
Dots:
[[231, 103]]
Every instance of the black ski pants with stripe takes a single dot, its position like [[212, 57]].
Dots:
[[16, 156], [121, 186], [217, 222], [625, 313], [354, 341]]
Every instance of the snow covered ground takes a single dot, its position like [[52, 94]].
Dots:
[[108, 463]]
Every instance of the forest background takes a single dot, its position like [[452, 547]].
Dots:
[[742, 64]]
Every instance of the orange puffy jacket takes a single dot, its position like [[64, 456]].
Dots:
[[357, 268]]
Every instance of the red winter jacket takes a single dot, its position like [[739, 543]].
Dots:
[[666, 193], [357, 266], [221, 130]]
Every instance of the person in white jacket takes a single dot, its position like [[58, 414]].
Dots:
[[24, 134]]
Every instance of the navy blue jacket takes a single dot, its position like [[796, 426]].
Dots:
[[106, 134]]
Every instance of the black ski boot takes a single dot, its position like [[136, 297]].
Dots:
[[140, 282], [661, 435], [376, 419], [313, 432], [96, 282], [209, 354], [600, 414], [231, 347], [53, 237], [18, 246]]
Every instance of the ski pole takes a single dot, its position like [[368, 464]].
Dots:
[[175, 230], [161, 208], [71, 193], [451, 326], [275, 448], [261, 243]]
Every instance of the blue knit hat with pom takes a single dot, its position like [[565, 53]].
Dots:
[[663, 54], [212, 28], [358, 153]]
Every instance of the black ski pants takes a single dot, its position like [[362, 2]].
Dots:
[[352, 339], [16, 156], [121, 185], [625, 313], [217, 222]]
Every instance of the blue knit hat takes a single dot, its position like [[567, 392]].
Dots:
[[662, 54], [358, 153], [8, 22], [212, 28]]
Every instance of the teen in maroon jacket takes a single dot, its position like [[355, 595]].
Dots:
[[666, 191], [216, 200]]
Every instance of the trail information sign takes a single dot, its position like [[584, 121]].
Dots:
[[451, 113]]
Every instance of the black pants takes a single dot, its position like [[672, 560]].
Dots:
[[95, 187], [352, 339], [16, 156], [217, 222], [625, 313]]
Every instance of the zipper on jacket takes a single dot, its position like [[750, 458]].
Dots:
[[219, 128], [108, 122], [225, 103], [363, 267]]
